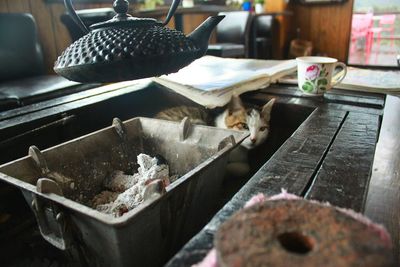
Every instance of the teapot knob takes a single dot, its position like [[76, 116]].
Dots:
[[121, 6]]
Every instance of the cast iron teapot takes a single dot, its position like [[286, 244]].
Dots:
[[128, 48]]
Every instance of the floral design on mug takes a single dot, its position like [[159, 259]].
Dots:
[[316, 78], [312, 72]]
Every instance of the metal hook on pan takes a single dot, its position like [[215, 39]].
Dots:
[[227, 141], [120, 128], [38, 159], [184, 128]]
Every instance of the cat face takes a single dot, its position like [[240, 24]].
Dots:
[[257, 123], [258, 126]]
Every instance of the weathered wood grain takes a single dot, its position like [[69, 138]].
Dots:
[[281, 34], [326, 26], [347, 160], [42, 14], [294, 163], [383, 198], [191, 21], [291, 167], [363, 103], [4, 6], [62, 38], [18, 6], [355, 98], [343, 177], [56, 106]]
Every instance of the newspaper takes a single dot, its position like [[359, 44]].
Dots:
[[211, 81]]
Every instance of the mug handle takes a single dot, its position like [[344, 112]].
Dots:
[[340, 75]]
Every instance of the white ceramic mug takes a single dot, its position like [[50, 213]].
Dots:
[[314, 74]]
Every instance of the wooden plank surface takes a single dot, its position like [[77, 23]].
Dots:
[[67, 103], [342, 170], [383, 198], [294, 163], [291, 167], [343, 177], [354, 98], [368, 104]]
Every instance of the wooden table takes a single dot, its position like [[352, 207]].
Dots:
[[383, 199], [329, 158]]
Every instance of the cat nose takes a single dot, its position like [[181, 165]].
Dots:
[[253, 140]]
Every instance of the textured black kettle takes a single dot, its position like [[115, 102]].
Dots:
[[128, 48]]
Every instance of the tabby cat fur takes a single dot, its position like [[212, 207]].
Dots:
[[235, 116]]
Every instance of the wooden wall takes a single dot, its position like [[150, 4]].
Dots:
[[53, 35], [280, 45], [327, 26]]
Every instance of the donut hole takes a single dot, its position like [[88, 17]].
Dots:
[[295, 242]]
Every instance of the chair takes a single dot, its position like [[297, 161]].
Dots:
[[23, 78], [20, 52], [262, 29], [88, 17], [232, 35], [360, 25], [386, 24]]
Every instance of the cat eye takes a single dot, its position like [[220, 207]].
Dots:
[[262, 129], [244, 126]]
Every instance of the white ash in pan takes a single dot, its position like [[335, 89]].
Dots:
[[125, 192]]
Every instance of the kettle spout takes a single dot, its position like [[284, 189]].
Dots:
[[202, 33]]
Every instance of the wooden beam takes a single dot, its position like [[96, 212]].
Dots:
[[343, 178], [383, 198]]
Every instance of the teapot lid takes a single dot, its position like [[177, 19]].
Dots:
[[129, 21], [123, 18]]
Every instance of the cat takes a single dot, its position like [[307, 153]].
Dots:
[[196, 115], [236, 117]]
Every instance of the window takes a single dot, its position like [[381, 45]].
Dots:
[[375, 33]]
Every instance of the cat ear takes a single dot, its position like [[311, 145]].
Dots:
[[235, 104], [266, 110]]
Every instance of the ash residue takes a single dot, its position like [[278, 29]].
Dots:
[[125, 192]]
